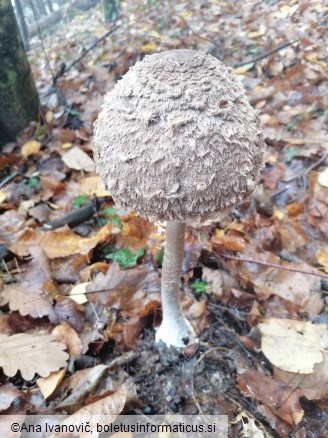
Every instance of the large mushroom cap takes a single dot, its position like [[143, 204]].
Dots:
[[177, 139]]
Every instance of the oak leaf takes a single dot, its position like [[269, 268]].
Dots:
[[31, 354]]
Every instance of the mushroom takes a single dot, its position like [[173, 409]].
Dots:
[[177, 141]]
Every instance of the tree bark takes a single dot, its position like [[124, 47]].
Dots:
[[18, 95], [50, 6], [22, 23]]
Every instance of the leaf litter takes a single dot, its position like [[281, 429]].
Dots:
[[254, 283]]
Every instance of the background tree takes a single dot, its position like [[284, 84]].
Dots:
[[22, 23], [109, 10], [18, 95]]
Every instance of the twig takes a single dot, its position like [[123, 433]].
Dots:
[[313, 166], [271, 265], [265, 54], [66, 69], [75, 218]]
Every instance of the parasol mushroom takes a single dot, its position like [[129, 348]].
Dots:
[[177, 141]]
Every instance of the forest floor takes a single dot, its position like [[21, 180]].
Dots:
[[254, 284]]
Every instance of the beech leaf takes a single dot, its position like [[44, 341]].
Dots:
[[294, 346], [31, 354]]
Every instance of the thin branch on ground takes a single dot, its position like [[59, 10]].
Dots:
[[67, 69], [271, 265], [266, 54]]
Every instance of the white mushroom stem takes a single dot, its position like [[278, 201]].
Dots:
[[175, 329]]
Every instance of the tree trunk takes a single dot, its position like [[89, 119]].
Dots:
[[109, 10], [41, 7], [18, 96], [22, 23], [50, 6]]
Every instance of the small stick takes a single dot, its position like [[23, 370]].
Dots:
[[271, 265], [265, 54], [66, 69]]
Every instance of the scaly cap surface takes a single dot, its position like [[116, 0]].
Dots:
[[177, 139]]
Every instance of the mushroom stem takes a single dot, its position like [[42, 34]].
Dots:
[[175, 329]]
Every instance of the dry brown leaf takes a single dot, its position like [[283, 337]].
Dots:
[[294, 346], [59, 243], [81, 384], [283, 400], [230, 242], [27, 299], [31, 354], [292, 286], [314, 386], [29, 295], [77, 159], [66, 334], [48, 384]]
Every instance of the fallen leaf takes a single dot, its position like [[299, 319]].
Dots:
[[48, 384], [323, 178], [67, 335], [59, 243], [31, 354], [314, 386], [322, 257], [230, 242], [284, 401], [30, 148], [77, 294], [249, 427], [93, 186], [77, 159], [8, 395], [27, 299], [294, 346], [81, 384]]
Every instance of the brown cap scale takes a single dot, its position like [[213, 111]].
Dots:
[[178, 141]]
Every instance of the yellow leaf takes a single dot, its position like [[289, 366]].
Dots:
[[323, 178], [3, 196], [278, 214], [322, 257], [244, 68], [31, 147], [219, 233], [49, 384], [67, 146], [186, 14], [93, 185], [49, 116], [150, 47]]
